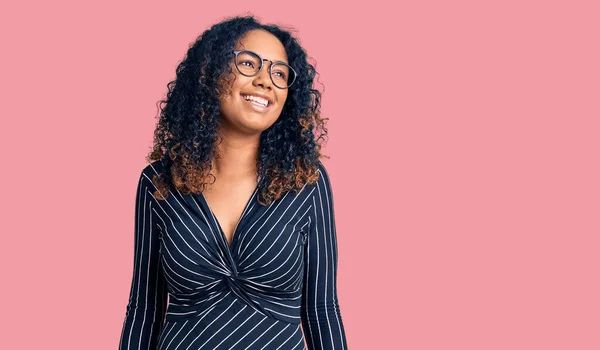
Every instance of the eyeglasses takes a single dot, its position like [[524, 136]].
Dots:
[[249, 63]]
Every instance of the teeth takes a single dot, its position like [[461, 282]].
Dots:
[[260, 100]]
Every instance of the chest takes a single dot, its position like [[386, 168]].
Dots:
[[227, 201]]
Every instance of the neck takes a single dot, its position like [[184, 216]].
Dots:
[[237, 157]]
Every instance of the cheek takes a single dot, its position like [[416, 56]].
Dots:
[[227, 83], [282, 99]]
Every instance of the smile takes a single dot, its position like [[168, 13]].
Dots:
[[258, 103]]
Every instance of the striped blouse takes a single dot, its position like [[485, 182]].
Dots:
[[273, 287]]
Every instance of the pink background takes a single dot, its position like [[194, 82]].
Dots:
[[464, 144]]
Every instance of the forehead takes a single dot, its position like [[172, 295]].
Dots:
[[263, 43]]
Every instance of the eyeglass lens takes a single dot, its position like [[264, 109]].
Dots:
[[249, 63]]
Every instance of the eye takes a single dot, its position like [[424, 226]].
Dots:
[[247, 64], [280, 74]]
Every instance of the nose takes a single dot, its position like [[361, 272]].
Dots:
[[263, 78]]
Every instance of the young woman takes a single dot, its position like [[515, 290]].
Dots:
[[234, 213]]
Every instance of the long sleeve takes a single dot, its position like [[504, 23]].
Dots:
[[148, 295], [320, 312]]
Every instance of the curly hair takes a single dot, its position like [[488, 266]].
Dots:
[[186, 136]]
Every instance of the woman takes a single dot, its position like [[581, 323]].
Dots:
[[234, 213]]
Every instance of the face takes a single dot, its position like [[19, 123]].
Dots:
[[238, 111]]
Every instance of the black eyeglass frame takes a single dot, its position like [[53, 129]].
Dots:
[[237, 52]]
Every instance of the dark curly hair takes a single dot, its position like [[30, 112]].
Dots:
[[185, 139]]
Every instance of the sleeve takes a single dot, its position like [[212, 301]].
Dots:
[[148, 294], [320, 312]]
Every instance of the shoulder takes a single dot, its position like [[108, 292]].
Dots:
[[148, 172], [323, 184], [154, 168], [323, 174]]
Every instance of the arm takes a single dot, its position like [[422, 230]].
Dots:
[[320, 313], [147, 297]]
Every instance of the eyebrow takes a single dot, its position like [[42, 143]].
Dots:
[[263, 57], [275, 61], [266, 58]]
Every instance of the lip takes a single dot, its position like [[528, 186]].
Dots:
[[256, 106], [258, 94]]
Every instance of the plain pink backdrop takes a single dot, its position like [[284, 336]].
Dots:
[[464, 145]]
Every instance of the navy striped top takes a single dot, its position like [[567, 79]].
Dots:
[[273, 287]]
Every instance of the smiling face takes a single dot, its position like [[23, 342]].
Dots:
[[242, 109]]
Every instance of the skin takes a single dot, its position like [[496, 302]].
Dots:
[[241, 126]]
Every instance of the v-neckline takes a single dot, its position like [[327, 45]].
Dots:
[[220, 228]]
